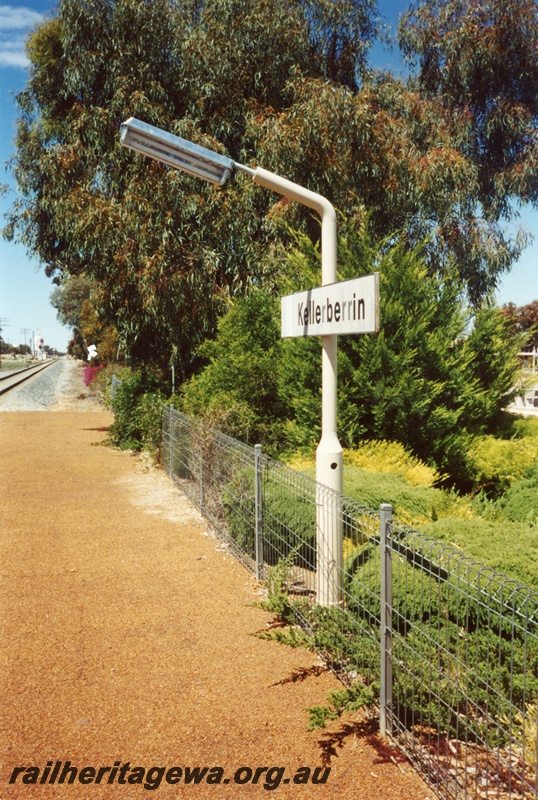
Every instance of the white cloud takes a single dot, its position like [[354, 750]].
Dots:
[[18, 18], [15, 22], [12, 53]]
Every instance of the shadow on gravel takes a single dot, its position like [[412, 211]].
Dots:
[[300, 675], [102, 430], [386, 752], [333, 741]]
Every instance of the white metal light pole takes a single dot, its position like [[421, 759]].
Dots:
[[204, 163], [329, 463]]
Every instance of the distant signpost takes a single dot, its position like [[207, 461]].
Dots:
[[345, 307]]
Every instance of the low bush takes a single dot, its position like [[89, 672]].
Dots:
[[498, 463], [501, 531], [90, 373], [102, 381], [137, 408], [520, 502], [288, 523], [442, 622], [392, 458], [509, 547], [442, 647], [378, 472]]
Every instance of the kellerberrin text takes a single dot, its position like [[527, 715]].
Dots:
[[346, 307]]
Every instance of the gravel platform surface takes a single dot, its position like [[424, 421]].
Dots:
[[128, 642], [59, 387]]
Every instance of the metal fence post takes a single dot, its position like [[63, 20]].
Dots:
[[201, 483], [385, 695], [170, 443], [258, 500]]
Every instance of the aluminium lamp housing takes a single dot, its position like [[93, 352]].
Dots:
[[175, 151]]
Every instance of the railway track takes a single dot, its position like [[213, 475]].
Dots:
[[8, 382]]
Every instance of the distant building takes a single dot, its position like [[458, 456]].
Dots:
[[527, 404]]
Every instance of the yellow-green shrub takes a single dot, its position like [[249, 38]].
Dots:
[[391, 457], [379, 456], [503, 460]]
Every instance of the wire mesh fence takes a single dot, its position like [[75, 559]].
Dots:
[[449, 645], [465, 670]]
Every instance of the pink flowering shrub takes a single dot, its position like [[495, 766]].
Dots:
[[90, 373]]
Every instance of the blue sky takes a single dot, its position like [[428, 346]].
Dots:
[[24, 288]]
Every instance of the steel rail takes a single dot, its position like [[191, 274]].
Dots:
[[8, 382]]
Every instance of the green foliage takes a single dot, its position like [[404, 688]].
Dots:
[[407, 158], [524, 320], [391, 457], [255, 59], [492, 368], [239, 385], [460, 628], [500, 462], [383, 472], [413, 505], [427, 593], [342, 34], [422, 381], [507, 546], [289, 520], [137, 413], [277, 598], [442, 157], [164, 252], [67, 299], [499, 530], [520, 502], [330, 631], [524, 426], [319, 716], [103, 381], [480, 60], [343, 701], [292, 636]]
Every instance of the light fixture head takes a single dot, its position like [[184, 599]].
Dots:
[[175, 151]]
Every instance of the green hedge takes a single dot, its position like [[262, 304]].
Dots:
[[137, 407], [288, 522]]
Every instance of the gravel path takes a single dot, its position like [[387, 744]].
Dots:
[[129, 643], [59, 387]]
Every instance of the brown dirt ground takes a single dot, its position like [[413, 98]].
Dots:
[[129, 636]]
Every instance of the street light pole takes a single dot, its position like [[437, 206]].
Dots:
[[329, 462], [216, 168], [329, 452]]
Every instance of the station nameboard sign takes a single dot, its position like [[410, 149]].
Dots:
[[338, 308]]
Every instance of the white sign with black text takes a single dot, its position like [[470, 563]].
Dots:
[[339, 308]]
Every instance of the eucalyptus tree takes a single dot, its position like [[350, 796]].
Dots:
[[479, 59], [90, 64], [449, 153], [164, 252], [282, 83]]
